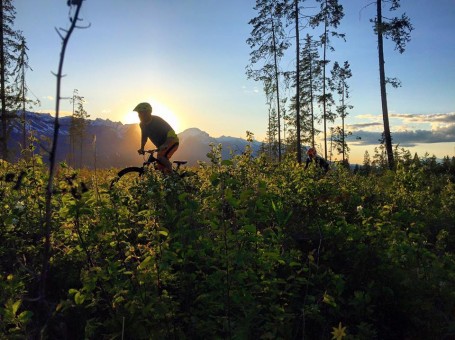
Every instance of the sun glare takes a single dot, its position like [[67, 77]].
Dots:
[[158, 110], [131, 118]]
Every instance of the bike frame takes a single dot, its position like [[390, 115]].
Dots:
[[140, 170], [152, 159]]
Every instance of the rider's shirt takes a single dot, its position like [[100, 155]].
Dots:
[[319, 161], [157, 130]]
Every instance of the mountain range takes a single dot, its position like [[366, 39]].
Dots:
[[108, 144]]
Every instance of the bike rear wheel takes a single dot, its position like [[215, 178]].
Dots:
[[126, 177]]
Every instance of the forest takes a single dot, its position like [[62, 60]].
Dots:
[[244, 247]]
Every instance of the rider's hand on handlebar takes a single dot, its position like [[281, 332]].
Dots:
[[141, 151]]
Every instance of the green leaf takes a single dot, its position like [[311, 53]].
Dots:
[[16, 306], [79, 298], [25, 316], [250, 228], [163, 231], [329, 300], [144, 263]]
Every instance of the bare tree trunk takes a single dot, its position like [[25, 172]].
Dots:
[[297, 80], [385, 112], [342, 123], [277, 91], [311, 103], [24, 126], [324, 101], [4, 120]]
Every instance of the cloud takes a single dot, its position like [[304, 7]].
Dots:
[[369, 116], [442, 129], [249, 90], [51, 98], [364, 126], [445, 118], [408, 138]]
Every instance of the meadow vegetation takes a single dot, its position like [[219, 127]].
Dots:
[[244, 248]]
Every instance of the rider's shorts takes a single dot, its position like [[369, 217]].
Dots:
[[170, 145]]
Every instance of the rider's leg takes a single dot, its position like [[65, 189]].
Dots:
[[165, 152]]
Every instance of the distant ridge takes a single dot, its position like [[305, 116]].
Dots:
[[116, 143]]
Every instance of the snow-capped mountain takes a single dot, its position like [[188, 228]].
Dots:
[[113, 144]]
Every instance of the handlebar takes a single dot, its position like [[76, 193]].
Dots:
[[148, 151]]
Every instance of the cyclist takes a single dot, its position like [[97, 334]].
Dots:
[[313, 155], [160, 134]]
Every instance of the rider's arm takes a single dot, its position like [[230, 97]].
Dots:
[[143, 141], [308, 161]]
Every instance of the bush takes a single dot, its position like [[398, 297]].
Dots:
[[245, 248]]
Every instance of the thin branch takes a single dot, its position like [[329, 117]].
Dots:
[[49, 190]]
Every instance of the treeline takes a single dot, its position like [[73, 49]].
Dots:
[[292, 49], [377, 163]]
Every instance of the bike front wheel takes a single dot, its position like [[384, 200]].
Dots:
[[127, 177]]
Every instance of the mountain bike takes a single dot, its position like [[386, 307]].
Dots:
[[135, 172]]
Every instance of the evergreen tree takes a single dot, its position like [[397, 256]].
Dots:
[[22, 90], [416, 161], [338, 84], [366, 166], [338, 142], [379, 158], [397, 29], [311, 68], [330, 15], [10, 42], [77, 128], [268, 41], [310, 82], [272, 128]]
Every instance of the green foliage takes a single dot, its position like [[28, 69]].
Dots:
[[245, 248]]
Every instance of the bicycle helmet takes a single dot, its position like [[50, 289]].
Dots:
[[311, 152], [143, 108]]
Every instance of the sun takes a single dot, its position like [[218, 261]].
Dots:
[[131, 118], [166, 113], [160, 110]]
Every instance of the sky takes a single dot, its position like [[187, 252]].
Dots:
[[188, 59]]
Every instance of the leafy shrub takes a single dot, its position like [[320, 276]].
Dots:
[[245, 248]]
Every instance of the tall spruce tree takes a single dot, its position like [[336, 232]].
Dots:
[[311, 78], [399, 31], [338, 83], [22, 102], [78, 125], [268, 41], [329, 16], [10, 41]]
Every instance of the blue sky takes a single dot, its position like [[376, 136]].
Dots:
[[188, 58]]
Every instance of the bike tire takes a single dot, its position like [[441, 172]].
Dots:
[[132, 170]]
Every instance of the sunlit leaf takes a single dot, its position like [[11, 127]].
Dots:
[[145, 262]]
